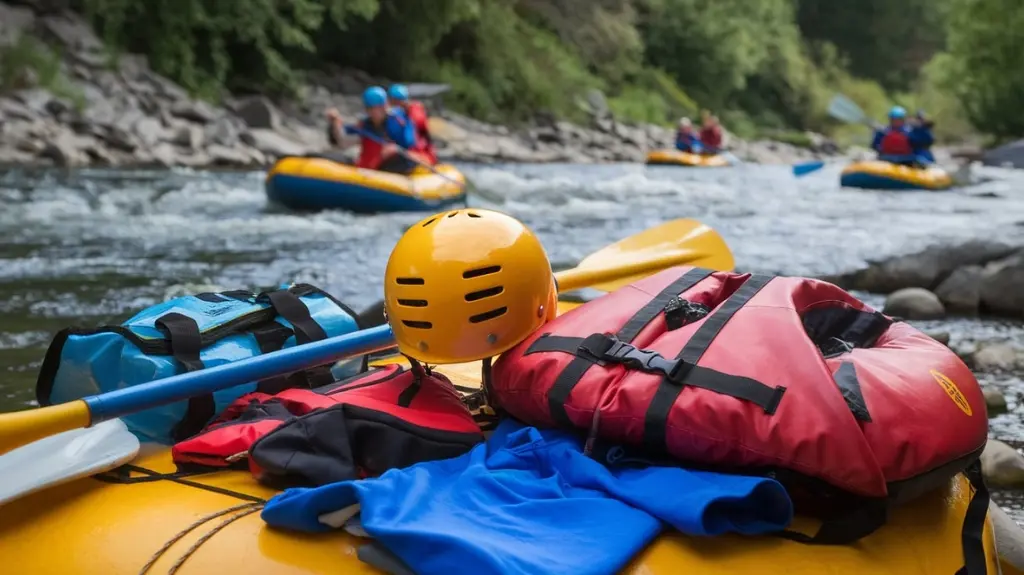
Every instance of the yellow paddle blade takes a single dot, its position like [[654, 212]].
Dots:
[[24, 427], [673, 243]]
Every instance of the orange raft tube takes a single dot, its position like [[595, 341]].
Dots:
[[685, 159], [209, 523]]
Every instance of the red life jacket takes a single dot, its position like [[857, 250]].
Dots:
[[370, 152], [751, 373], [424, 143], [711, 137], [359, 427], [895, 142]]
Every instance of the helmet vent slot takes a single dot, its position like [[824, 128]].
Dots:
[[472, 215], [470, 274], [410, 281], [417, 324], [413, 302], [481, 317], [428, 222], [489, 292]]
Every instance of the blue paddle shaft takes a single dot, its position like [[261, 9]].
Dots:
[[129, 400]]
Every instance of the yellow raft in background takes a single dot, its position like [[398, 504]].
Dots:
[[117, 526], [879, 175], [669, 157], [323, 184]]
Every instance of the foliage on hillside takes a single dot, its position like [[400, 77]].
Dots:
[[769, 64]]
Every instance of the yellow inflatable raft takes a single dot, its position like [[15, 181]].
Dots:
[[323, 184], [210, 523], [879, 175], [677, 158]]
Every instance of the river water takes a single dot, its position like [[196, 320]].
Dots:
[[90, 247]]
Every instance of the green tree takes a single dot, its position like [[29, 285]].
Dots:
[[883, 40], [985, 47]]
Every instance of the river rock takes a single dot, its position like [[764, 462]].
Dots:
[[1008, 156], [939, 336], [914, 304], [996, 357], [258, 112], [272, 143], [1009, 539], [961, 291], [1002, 466], [194, 110], [63, 150], [1002, 287], [995, 401], [926, 269]]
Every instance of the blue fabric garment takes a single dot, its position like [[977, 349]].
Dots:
[[530, 502], [688, 142], [397, 128]]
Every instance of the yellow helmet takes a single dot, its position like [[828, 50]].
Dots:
[[465, 285]]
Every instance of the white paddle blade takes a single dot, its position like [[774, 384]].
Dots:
[[65, 457], [846, 110]]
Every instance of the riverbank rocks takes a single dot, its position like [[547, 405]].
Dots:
[[122, 113], [1002, 466], [914, 303], [995, 401], [976, 276], [997, 357]]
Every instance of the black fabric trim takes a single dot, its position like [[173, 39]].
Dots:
[[656, 418], [409, 393], [862, 521], [186, 345], [291, 308], [846, 378], [334, 443], [578, 366], [975, 562], [837, 330], [210, 297]]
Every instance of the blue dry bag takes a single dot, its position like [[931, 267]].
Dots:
[[187, 334]]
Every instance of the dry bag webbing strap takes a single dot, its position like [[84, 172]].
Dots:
[[571, 375], [656, 419], [186, 345]]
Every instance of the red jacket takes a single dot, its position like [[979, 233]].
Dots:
[[417, 113], [896, 142], [371, 153], [711, 137]]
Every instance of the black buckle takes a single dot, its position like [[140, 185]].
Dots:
[[611, 350], [679, 312]]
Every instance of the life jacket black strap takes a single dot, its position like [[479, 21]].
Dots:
[[575, 370], [186, 345], [656, 419]]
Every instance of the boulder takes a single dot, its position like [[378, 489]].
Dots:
[[258, 112], [914, 304], [272, 143], [194, 110], [1002, 287], [1002, 466], [188, 137], [996, 357], [939, 336], [64, 150], [995, 401], [927, 268], [961, 291], [1008, 156], [150, 131]]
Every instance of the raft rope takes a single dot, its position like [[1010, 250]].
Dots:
[[243, 510]]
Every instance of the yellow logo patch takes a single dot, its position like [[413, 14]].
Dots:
[[953, 392]]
